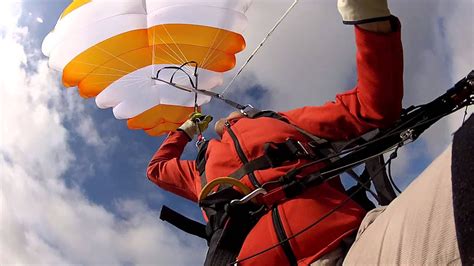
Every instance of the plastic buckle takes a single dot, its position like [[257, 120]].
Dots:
[[249, 197]]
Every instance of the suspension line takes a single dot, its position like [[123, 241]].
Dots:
[[260, 45]]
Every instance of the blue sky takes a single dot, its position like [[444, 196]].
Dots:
[[73, 186]]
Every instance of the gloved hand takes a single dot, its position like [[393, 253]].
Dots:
[[196, 123], [363, 11]]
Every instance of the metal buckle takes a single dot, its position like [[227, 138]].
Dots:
[[249, 111], [249, 197], [407, 135], [299, 148], [200, 140], [306, 152]]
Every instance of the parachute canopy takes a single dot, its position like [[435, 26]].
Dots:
[[111, 50]]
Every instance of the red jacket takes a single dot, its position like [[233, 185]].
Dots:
[[374, 102]]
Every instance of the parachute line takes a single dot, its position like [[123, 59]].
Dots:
[[389, 170], [176, 45], [210, 48], [116, 57], [176, 56], [465, 114], [260, 45]]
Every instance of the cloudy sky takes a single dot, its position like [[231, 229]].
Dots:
[[72, 178]]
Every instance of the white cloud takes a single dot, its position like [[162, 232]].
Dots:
[[42, 220], [307, 61], [87, 130], [9, 14]]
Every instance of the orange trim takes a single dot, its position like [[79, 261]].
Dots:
[[73, 6], [160, 119], [101, 77], [198, 35], [106, 62], [112, 59]]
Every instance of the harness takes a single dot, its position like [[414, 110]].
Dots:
[[232, 213]]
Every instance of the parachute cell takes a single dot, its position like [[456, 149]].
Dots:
[[111, 50]]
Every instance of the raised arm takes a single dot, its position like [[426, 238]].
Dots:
[[376, 99], [169, 172]]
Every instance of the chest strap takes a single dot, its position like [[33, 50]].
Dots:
[[275, 154]]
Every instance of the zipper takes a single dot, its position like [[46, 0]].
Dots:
[[241, 154], [281, 235]]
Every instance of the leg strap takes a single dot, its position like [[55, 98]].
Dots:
[[182, 222]]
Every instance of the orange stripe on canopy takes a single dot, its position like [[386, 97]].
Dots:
[[73, 6], [101, 77], [198, 35], [106, 62], [97, 67], [160, 119]]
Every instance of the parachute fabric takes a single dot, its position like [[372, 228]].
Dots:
[[110, 50]]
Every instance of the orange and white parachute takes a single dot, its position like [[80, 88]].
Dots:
[[111, 49]]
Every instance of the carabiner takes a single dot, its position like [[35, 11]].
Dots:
[[252, 195]]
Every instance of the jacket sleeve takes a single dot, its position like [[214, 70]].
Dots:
[[376, 100], [169, 172]]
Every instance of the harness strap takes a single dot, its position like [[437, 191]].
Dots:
[[380, 179], [257, 164], [182, 222], [227, 242], [228, 225], [201, 162], [275, 154], [272, 114]]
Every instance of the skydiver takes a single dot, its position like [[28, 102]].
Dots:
[[375, 102]]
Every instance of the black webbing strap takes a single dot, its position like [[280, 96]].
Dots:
[[229, 225], [275, 154], [275, 115], [182, 222], [201, 162], [385, 192], [260, 163], [226, 243]]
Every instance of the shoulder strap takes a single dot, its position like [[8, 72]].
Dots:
[[273, 114], [201, 162], [382, 184]]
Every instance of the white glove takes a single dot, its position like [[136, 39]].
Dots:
[[363, 11]]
